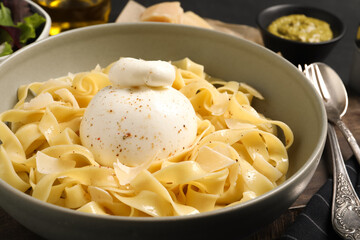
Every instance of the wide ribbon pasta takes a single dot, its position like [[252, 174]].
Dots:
[[235, 157]]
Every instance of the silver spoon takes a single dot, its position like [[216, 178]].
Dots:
[[346, 204]]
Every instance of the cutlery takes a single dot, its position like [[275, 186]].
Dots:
[[345, 214], [335, 97]]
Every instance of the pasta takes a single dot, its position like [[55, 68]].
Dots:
[[236, 156]]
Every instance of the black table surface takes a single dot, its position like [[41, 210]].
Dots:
[[245, 12]]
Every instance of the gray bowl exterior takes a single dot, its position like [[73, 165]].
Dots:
[[288, 97]]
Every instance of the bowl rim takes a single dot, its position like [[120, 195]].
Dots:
[[289, 181], [45, 32], [264, 29]]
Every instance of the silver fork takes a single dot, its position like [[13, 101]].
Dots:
[[345, 214]]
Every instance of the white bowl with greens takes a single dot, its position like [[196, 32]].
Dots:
[[18, 32]]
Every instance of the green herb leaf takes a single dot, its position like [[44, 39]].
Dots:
[[29, 26], [5, 16], [5, 49]]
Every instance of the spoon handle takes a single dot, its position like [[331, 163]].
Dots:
[[350, 138], [345, 214]]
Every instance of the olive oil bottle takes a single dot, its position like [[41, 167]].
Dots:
[[69, 14]]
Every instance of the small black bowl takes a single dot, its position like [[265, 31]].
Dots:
[[295, 51]]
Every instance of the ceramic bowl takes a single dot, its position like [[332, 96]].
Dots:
[[289, 97], [44, 32], [295, 51]]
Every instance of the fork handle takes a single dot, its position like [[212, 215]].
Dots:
[[350, 138], [345, 214]]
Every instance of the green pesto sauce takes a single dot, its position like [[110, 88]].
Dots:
[[299, 27]]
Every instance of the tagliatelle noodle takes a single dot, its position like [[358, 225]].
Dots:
[[235, 157]]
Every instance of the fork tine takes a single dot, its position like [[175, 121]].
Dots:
[[307, 73], [312, 77], [313, 74], [323, 89], [300, 68]]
